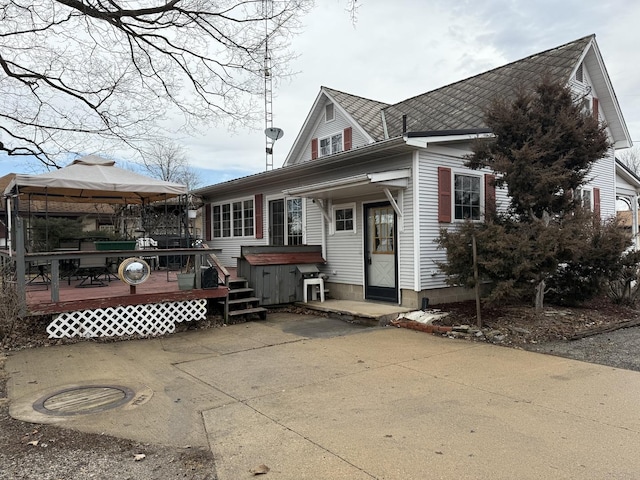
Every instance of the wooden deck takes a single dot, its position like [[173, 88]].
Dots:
[[162, 286]]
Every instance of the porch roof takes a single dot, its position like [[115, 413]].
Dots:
[[356, 185]]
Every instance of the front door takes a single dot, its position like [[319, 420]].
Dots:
[[381, 278]]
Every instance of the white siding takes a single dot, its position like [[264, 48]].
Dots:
[[323, 129], [313, 228], [406, 258], [230, 246], [603, 176], [623, 187], [429, 227], [345, 254]]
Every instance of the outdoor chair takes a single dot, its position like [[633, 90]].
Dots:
[[92, 271], [148, 243]]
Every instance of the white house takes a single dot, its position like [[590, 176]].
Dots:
[[373, 183]]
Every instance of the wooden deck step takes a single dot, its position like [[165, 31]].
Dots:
[[243, 300], [248, 311], [240, 290]]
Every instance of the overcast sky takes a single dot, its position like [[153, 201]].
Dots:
[[407, 47]]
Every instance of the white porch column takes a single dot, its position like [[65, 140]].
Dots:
[[634, 221]]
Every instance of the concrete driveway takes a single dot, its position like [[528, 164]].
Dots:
[[316, 398]]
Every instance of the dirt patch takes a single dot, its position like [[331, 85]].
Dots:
[[519, 325], [598, 332]]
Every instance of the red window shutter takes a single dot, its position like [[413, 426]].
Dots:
[[489, 195], [258, 216], [207, 222], [314, 149], [596, 202], [594, 107], [444, 195], [348, 137]]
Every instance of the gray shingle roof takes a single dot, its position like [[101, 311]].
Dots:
[[363, 110], [461, 105]]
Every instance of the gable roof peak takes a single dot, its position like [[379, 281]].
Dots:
[[334, 92]]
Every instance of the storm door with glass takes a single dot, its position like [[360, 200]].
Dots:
[[381, 278]]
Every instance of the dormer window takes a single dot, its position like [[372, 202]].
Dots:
[[580, 74], [329, 114], [331, 144]]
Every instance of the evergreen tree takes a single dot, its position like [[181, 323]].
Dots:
[[544, 146]]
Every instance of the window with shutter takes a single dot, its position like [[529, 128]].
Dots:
[[596, 202], [348, 138], [466, 197], [444, 195], [235, 219], [331, 144], [489, 195], [259, 215]]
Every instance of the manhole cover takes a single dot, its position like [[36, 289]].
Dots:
[[84, 400]]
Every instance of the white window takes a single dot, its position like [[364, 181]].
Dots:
[[329, 113], [584, 197], [286, 220], [234, 219], [466, 197], [344, 218], [331, 144]]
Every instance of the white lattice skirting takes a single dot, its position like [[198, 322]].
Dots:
[[147, 320]]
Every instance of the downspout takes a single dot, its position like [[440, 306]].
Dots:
[[634, 221], [324, 238], [325, 218], [417, 247]]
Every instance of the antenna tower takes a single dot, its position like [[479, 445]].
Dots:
[[267, 10]]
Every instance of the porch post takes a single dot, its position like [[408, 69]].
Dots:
[[20, 266], [198, 268], [9, 231], [634, 221]]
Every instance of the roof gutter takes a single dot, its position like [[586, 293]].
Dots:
[[372, 151], [301, 169], [423, 139]]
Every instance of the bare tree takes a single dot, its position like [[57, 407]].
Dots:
[[631, 158], [167, 160], [78, 75]]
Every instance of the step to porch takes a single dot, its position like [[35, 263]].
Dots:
[[360, 312], [241, 302]]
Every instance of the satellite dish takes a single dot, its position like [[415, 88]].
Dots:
[[274, 133]]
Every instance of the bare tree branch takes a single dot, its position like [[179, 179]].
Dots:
[[631, 158], [94, 74]]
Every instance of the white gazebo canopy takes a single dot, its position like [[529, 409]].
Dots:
[[93, 179]]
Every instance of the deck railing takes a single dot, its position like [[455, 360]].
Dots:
[[17, 265]]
